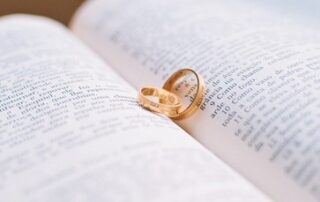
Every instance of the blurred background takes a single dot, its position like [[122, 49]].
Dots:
[[61, 10], [306, 11]]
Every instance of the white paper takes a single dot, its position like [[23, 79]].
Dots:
[[71, 130], [261, 113]]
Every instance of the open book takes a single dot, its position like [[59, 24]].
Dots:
[[71, 128]]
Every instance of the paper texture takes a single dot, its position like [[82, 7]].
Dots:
[[261, 112], [71, 130]]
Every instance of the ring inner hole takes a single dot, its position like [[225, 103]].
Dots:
[[155, 96], [185, 87]]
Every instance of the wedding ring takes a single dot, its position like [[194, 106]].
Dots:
[[171, 102], [169, 84]]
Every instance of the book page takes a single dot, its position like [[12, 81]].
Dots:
[[262, 106], [71, 130]]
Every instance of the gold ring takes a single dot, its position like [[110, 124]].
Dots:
[[171, 102], [189, 110]]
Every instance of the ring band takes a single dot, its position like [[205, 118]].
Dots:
[[171, 102], [169, 84]]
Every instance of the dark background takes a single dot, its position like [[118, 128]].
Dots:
[[61, 10]]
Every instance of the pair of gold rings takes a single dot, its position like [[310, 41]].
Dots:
[[168, 102]]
